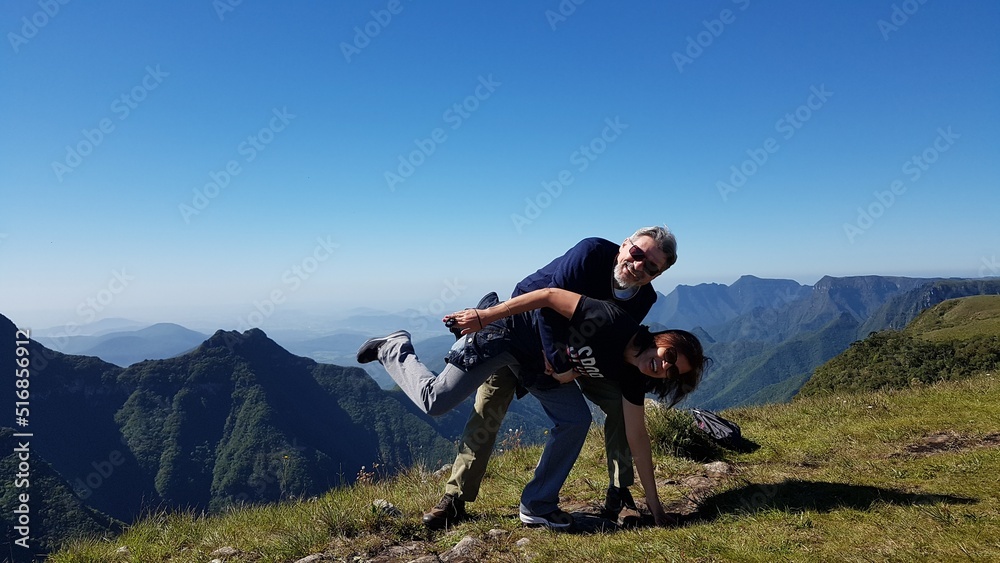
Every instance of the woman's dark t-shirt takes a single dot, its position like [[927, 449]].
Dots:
[[599, 332]]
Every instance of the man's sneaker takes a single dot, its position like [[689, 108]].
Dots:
[[448, 511], [368, 352], [557, 519], [617, 499]]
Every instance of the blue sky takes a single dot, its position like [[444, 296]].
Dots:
[[172, 161]]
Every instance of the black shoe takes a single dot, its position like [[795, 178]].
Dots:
[[453, 328], [448, 511], [368, 352], [618, 498], [557, 519]]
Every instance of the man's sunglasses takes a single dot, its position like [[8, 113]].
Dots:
[[639, 256]]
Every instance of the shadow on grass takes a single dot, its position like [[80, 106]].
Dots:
[[705, 450], [789, 496], [743, 446], [797, 496]]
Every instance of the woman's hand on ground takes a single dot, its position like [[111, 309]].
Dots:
[[659, 516]]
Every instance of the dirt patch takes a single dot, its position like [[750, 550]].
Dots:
[[695, 488], [941, 442]]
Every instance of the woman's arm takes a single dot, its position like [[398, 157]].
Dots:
[[642, 454], [559, 300]]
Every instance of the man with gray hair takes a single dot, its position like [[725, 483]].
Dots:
[[599, 269]]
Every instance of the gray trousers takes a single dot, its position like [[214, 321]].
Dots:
[[437, 394]]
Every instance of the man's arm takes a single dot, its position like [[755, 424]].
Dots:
[[559, 300], [642, 454]]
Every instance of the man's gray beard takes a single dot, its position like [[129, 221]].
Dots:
[[619, 282]]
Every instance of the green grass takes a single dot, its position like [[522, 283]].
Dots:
[[959, 319], [836, 478]]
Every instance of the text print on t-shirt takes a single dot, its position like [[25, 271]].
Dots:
[[584, 361]]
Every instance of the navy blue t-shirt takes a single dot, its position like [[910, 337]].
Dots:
[[587, 269]]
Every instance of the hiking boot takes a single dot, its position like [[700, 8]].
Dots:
[[557, 519], [617, 499], [449, 510], [368, 352]]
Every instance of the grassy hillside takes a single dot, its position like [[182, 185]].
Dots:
[[958, 319], [903, 475], [952, 340]]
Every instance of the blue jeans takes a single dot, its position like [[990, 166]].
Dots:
[[570, 416]]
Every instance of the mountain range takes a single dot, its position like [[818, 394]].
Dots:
[[237, 418], [767, 336]]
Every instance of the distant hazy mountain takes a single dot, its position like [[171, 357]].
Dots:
[[124, 348], [710, 304], [377, 323], [341, 343], [341, 348], [96, 328]]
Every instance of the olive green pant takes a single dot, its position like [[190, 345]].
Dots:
[[492, 401]]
